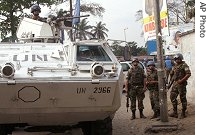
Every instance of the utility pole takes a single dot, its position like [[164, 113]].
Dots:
[[161, 66], [71, 10], [125, 35], [127, 51]]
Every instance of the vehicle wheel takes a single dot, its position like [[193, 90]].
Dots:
[[100, 127], [6, 129], [3, 130]]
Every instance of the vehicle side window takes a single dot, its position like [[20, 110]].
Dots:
[[91, 53], [125, 67]]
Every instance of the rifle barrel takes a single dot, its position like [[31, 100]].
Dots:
[[71, 18]]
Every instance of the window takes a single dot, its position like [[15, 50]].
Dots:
[[125, 66], [91, 53]]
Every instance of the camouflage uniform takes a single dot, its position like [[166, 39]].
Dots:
[[178, 72], [38, 18], [135, 77], [153, 91]]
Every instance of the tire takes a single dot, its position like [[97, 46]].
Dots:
[[100, 127], [3, 130], [6, 129]]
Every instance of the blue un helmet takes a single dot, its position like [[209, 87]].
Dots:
[[150, 63], [35, 8], [167, 57], [178, 56]]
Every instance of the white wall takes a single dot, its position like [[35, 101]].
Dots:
[[188, 51]]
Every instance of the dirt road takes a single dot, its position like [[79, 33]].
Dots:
[[122, 125]]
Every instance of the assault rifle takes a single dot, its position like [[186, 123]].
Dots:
[[171, 82], [127, 97], [127, 102]]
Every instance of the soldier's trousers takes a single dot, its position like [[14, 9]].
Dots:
[[136, 93], [154, 99], [181, 91]]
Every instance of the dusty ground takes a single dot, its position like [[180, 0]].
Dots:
[[122, 125]]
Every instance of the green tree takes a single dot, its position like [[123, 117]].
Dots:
[[82, 30], [181, 11], [92, 8], [141, 51], [117, 49], [190, 5], [99, 31], [12, 10], [135, 50]]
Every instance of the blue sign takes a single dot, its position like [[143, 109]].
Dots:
[[151, 47]]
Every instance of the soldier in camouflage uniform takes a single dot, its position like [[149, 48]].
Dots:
[[180, 74], [36, 10], [135, 86], [152, 86]]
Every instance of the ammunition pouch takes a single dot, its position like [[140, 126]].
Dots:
[[153, 88]]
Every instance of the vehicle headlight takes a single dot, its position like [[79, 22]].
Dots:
[[8, 70], [97, 70]]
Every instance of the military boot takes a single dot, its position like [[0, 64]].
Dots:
[[156, 114], [174, 114], [133, 114], [141, 114], [183, 115]]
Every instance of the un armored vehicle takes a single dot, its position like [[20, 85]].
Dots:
[[48, 83]]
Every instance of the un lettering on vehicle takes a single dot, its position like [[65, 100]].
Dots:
[[96, 90], [32, 57]]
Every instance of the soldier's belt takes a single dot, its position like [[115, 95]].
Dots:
[[136, 84], [153, 87]]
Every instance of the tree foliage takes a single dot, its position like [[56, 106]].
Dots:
[[135, 50], [99, 31], [181, 11], [12, 11], [118, 50], [191, 8], [83, 30], [92, 8]]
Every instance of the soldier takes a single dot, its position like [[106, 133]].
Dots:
[[36, 10], [135, 86], [152, 86], [145, 62], [180, 74], [168, 66], [85, 55]]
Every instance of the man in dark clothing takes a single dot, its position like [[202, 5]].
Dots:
[[168, 66], [180, 74], [136, 80], [152, 86]]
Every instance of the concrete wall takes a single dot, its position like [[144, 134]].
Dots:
[[188, 51]]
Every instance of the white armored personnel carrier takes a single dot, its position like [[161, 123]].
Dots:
[[45, 84]]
